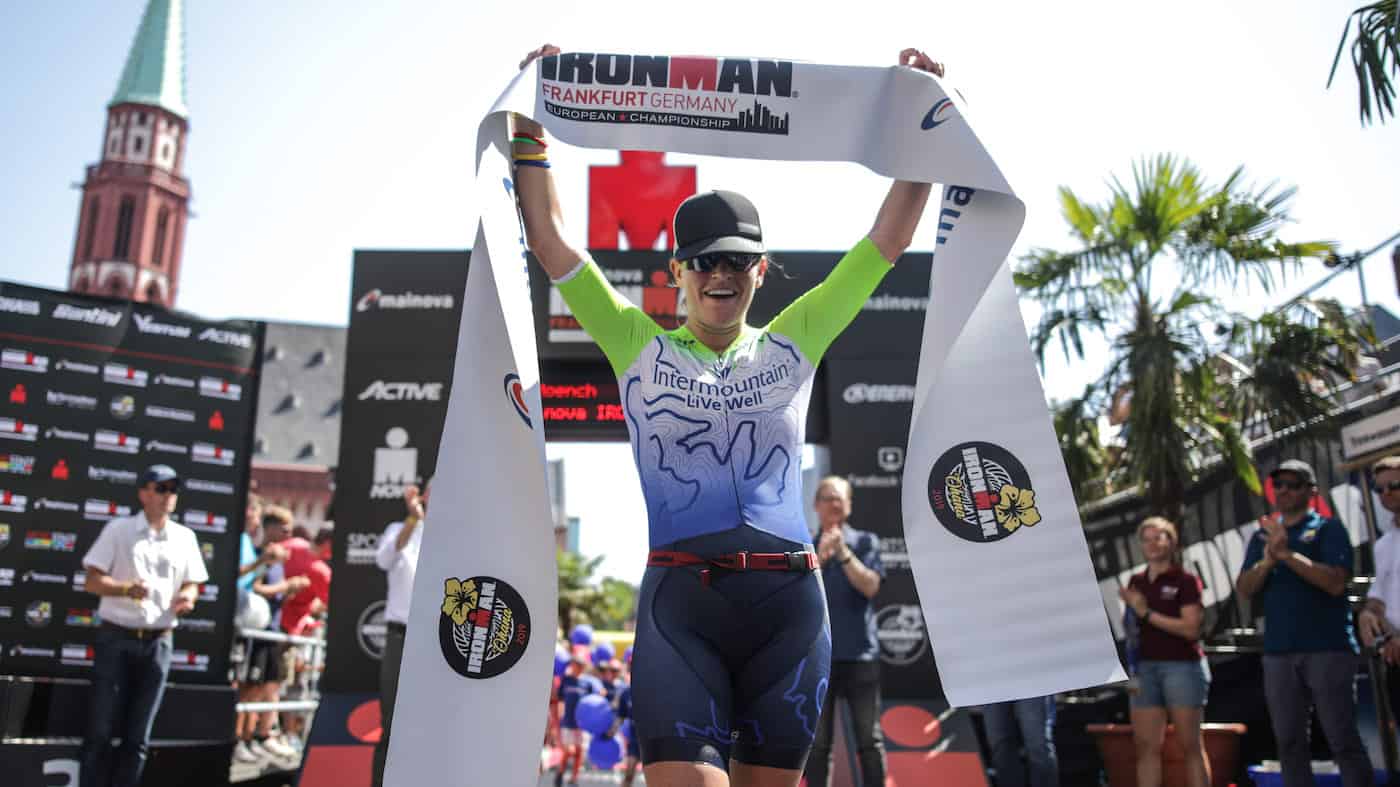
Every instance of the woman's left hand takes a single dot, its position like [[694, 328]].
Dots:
[[915, 58]]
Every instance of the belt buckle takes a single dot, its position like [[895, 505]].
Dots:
[[741, 561], [799, 561]]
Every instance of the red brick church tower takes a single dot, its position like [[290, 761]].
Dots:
[[131, 224]]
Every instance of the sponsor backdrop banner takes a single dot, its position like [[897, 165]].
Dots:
[[404, 313], [469, 643], [93, 391]]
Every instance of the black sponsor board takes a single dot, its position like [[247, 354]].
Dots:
[[93, 391], [871, 404], [404, 312]]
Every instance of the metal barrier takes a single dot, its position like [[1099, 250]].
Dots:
[[300, 693]]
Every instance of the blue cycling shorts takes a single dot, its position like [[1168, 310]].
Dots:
[[734, 670]]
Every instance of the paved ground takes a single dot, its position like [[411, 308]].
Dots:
[[586, 778]]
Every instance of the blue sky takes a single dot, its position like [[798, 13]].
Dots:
[[320, 127]]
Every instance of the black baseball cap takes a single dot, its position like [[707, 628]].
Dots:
[[717, 221], [156, 474]]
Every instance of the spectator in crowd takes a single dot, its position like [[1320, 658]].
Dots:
[[1028, 723], [573, 686], [1380, 619], [267, 667], [1298, 564], [1173, 679], [254, 612], [147, 569], [397, 556], [852, 572], [633, 749]]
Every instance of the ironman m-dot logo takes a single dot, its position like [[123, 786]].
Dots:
[[483, 627], [981, 493]]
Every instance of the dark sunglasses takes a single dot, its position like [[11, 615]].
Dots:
[[736, 262], [1296, 485], [166, 488], [1389, 486]]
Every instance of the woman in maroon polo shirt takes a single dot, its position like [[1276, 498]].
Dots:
[[1173, 677]]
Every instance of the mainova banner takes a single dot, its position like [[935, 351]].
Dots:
[[93, 391], [404, 311], [475, 667]]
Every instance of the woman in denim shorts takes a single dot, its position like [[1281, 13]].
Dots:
[[1173, 677]]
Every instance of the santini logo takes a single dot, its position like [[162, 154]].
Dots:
[[94, 315], [378, 299], [401, 392], [147, 324]]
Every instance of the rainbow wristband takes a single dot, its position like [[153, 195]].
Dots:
[[530, 157], [529, 139], [532, 163]]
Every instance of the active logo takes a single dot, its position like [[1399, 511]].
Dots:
[[981, 493], [92, 316], [395, 466], [515, 392], [903, 638], [378, 299], [484, 626], [938, 115], [39, 614], [15, 429], [226, 337], [148, 324], [382, 391], [19, 306], [123, 374], [371, 630], [687, 92], [18, 464], [23, 361]]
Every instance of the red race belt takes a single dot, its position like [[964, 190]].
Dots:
[[736, 561]]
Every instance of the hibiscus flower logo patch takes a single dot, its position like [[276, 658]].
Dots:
[[483, 627], [980, 492]]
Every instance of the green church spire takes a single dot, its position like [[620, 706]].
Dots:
[[155, 67]]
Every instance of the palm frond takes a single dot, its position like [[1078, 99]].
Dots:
[[1375, 58]]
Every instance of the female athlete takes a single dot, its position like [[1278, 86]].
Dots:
[[733, 648]]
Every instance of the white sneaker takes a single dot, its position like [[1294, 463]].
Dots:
[[243, 754], [280, 750]]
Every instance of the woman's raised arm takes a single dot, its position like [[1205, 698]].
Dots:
[[539, 200]]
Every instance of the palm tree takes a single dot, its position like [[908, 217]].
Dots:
[[1375, 55], [606, 604], [1148, 260]]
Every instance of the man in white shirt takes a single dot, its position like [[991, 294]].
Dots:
[[1380, 619], [147, 569], [397, 556]]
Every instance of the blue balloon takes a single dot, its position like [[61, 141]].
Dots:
[[627, 654], [604, 753], [582, 634], [561, 660], [594, 714], [603, 652]]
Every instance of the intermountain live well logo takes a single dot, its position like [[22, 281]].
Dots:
[[720, 94], [484, 626]]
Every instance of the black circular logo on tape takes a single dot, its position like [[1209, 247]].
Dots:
[[981, 492], [483, 626]]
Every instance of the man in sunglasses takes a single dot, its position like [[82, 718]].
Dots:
[[147, 569], [1380, 619], [1298, 564]]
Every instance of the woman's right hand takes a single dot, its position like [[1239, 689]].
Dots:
[[523, 124]]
